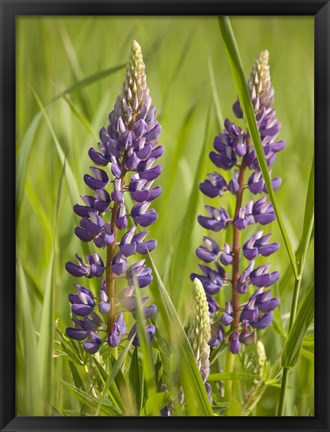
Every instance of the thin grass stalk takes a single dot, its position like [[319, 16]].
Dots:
[[307, 232]]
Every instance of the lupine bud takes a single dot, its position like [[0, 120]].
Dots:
[[128, 145], [199, 333]]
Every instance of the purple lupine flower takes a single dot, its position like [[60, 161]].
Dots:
[[213, 186], [212, 279], [125, 164], [210, 252], [235, 345], [94, 266], [217, 221], [150, 329], [234, 151], [247, 336], [227, 317], [217, 332], [244, 279], [259, 245]]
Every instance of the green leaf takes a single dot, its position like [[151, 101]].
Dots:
[[196, 396], [159, 401], [231, 376], [71, 354], [107, 407], [116, 367], [76, 376], [136, 379], [216, 352], [295, 338], [113, 391], [246, 104], [147, 363], [89, 80], [307, 355]]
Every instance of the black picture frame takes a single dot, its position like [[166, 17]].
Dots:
[[9, 10]]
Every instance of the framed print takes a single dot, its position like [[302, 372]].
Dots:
[[164, 215]]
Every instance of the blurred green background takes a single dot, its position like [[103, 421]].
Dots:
[[193, 90]]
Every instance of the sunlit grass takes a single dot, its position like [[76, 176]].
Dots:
[[69, 72]]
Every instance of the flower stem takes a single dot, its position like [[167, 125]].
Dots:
[[110, 277], [285, 375], [230, 360], [110, 281]]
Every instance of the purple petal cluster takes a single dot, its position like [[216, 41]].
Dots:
[[234, 152], [126, 164]]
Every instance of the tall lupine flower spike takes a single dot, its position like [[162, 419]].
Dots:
[[128, 150], [234, 151], [199, 333]]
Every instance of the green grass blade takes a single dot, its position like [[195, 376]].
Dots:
[[136, 380], [179, 148], [117, 366], [77, 379], [216, 352], [215, 96], [23, 157], [113, 391], [89, 80], [107, 407], [80, 116], [246, 104], [73, 63], [177, 69], [171, 321], [31, 400], [34, 285], [71, 181], [158, 401], [308, 221], [40, 212], [183, 249], [295, 338], [220, 376], [45, 344], [147, 363]]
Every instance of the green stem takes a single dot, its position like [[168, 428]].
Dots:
[[285, 375], [230, 362], [280, 410]]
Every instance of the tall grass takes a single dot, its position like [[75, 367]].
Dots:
[[69, 72]]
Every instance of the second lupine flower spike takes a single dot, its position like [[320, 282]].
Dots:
[[126, 164], [233, 150]]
